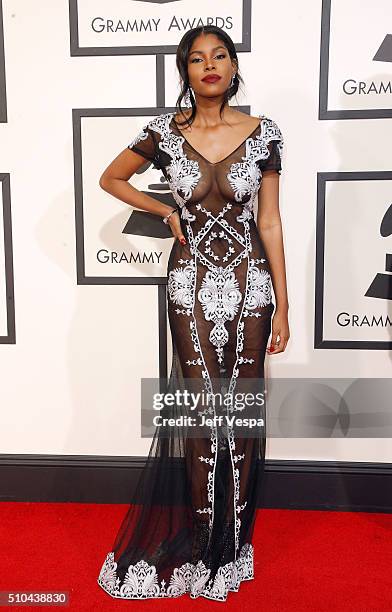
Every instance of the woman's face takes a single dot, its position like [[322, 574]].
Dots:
[[208, 58]]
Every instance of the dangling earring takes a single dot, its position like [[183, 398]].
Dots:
[[232, 80], [187, 97]]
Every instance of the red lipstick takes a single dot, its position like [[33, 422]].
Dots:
[[211, 78]]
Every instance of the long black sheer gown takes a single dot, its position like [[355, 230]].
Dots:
[[192, 530]]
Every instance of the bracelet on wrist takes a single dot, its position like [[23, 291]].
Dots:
[[166, 219]]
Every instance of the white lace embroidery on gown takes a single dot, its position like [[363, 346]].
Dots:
[[192, 530]]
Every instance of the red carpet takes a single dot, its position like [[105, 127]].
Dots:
[[304, 560]]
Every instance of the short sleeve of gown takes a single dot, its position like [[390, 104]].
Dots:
[[275, 146], [145, 143]]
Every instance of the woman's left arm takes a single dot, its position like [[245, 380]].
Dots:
[[269, 226]]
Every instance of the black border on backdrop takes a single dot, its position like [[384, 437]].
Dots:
[[3, 90], [8, 266]]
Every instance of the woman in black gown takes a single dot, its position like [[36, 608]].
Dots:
[[192, 530]]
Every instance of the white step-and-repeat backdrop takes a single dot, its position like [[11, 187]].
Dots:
[[82, 277]]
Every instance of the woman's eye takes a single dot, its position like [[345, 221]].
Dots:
[[195, 59]]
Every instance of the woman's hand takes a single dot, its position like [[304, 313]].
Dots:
[[280, 327], [175, 226]]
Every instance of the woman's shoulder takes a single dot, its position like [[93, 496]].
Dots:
[[270, 127], [159, 120], [267, 124]]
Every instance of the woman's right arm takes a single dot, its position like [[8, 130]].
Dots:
[[114, 180]]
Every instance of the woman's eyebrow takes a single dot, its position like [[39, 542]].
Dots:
[[214, 49]]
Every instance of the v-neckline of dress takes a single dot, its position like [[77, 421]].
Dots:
[[261, 117]]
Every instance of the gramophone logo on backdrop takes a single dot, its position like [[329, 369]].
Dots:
[[355, 76], [381, 285], [384, 53], [354, 261], [144, 257]]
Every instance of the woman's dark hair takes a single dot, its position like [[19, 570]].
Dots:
[[182, 55]]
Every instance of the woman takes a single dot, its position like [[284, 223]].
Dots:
[[192, 531]]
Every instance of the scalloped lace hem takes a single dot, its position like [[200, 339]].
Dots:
[[141, 579]]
